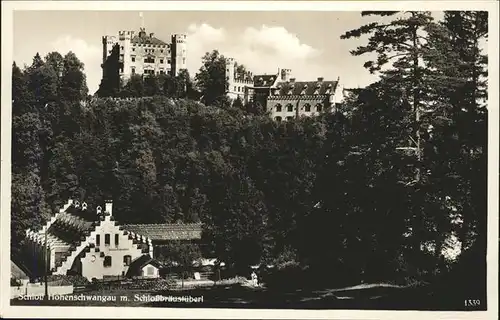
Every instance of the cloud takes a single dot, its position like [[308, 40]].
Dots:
[[89, 54], [261, 50]]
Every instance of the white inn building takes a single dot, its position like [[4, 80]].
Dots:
[[94, 245]]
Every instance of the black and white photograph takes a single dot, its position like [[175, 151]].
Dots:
[[301, 158]]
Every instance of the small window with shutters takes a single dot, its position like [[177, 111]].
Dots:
[[117, 239]]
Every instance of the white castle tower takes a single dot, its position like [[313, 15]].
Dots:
[[179, 53]]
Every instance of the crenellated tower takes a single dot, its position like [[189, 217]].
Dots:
[[179, 53]]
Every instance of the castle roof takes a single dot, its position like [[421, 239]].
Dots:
[[306, 87], [265, 80], [143, 38], [162, 232]]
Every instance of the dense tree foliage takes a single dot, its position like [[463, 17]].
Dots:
[[333, 192]]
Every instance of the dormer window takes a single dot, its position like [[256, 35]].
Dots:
[[316, 92]]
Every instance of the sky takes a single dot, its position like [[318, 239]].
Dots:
[[308, 43]]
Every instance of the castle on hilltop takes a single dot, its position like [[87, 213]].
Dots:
[[141, 53]]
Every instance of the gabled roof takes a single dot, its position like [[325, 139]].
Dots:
[[306, 87], [173, 231], [141, 262], [265, 80], [70, 226]]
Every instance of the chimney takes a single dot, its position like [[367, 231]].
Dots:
[[320, 79], [292, 80], [109, 207], [151, 34]]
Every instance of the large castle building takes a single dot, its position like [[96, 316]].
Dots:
[[143, 54], [282, 96]]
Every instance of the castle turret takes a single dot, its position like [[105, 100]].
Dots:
[[179, 53], [230, 70], [285, 74]]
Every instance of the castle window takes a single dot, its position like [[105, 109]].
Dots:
[[161, 50], [239, 89], [133, 49], [149, 60], [277, 119], [161, 60], [319, 107], [278, 108], [133, 59], [168, 61], [107, 261], [107, 239], [98, 240], [117, 239], [289, 108], [289, 118], [162, 72], [234, 88], [127, 260], [183, 60], [133, 70], [121, 47], [307, 108]]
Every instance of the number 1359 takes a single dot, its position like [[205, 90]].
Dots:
[[472, 303]]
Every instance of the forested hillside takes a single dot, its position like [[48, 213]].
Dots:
[[334, 192]]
